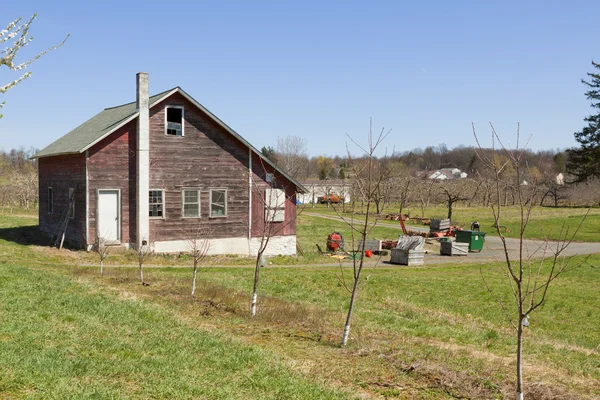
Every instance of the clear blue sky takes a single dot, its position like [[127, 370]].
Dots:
[[316, 69]]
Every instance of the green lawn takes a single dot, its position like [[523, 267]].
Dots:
[[61, 339], [430, 332], [547, 222]]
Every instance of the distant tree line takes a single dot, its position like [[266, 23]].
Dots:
[[18, 179], [407, 171]]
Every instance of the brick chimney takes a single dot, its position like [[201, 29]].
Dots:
[[143, 161]]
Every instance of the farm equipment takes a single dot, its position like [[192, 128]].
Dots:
[[329, 198], [335, 242]]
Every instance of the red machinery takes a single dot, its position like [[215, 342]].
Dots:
[[335, 241]]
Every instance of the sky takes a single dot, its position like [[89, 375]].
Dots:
[[320, 70]]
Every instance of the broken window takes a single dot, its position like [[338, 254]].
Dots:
[[174, 123], [218, 202], [50, 200], [274, 205], [156, 203], [191, 203]]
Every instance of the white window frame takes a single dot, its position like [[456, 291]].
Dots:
[[72, 193], [183, 203], [210, 192], [182, 120], [50, 200], [164, 210], [275, 211]]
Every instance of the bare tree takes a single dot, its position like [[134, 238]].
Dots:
[[102, 250], [424, 190], [368, 178], [14, 38], [198, 245], [273, 200], [454, 192], [144, 251], [529, 279], [292, 156]]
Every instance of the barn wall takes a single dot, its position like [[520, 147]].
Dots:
[[205, 157], [111, 165], [288, 226], [62, 173]]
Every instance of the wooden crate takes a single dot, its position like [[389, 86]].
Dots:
[[373, 245], [407, 257], [454, 249]]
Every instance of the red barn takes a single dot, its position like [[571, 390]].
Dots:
[[158, 168]]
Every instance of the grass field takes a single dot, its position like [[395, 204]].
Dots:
[[544, 222], [425, 333]]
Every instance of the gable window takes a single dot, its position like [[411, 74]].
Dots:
[[50, 200], [157, 203], [191, 203], [174, 120], [218, 202], [72, 202], [274, 205]]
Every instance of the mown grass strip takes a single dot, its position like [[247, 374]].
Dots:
[[60, 339]]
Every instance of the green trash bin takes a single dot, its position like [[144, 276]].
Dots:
[[474, 238]]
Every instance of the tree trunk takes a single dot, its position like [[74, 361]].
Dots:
[[101, 272], [450, 204], [255, 288], [350, 310], [194, 279], [141, 273], [520, 359]]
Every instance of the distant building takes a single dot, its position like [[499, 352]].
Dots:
[[317, 188], [443, 174]]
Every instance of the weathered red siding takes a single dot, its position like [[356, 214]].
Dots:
[[61, 173], [205, 157], [111, 165], [259, 172]]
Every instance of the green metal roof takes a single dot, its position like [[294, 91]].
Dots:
[[106, 122], [94, 130]]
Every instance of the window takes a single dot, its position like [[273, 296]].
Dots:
[[156, 203], [50, 200], [72, 202], [191, 203], [274, 205], [218, 202], [174, 120]]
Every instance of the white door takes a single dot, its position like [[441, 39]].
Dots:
[[108, 215]]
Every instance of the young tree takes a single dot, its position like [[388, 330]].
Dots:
[[528, 279], [14, 38], [273, 199], [144, 251], [424, 191], [198, 244], [368, 179], [584, 163], [102, 250]]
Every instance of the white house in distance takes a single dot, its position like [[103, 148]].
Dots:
[[444, 174], [317, 188]]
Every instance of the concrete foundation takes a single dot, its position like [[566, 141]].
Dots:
[[278, 245]]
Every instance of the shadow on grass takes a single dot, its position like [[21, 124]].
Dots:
[[28, 235]]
